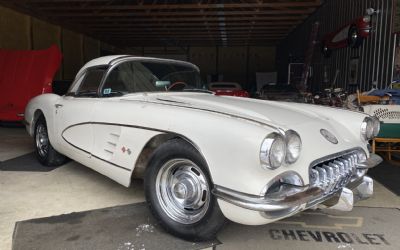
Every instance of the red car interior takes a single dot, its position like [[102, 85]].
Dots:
[[25, 74]]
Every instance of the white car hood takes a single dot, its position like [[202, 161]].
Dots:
[[277, 114], [306, 119]]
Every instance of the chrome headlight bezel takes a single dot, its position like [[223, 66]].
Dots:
[[367, 129], [292, 138], [376, 124], [272, 145]]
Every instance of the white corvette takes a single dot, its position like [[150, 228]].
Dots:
[[203, 157]]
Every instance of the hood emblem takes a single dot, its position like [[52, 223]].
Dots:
[[329, 136]]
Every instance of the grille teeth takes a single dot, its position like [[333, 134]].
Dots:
[[328, 180], [314, 176], [334, 174], [337, 176], [322, 177]]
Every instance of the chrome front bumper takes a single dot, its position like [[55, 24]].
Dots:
[[292, 196]]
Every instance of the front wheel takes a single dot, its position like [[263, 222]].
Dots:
[[326, 52], [178, 191], [45, 152], [354, 39]]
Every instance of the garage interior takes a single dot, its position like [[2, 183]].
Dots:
[[254, 43]]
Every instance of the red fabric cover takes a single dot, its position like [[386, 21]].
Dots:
[[25, 74]]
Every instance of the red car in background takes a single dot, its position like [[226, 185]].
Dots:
[[25, 74], [228, 88], [350, 35]]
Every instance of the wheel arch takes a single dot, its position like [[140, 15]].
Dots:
[[38, 112], [156, 141]]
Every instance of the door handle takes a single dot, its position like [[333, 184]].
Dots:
[[58, 105]]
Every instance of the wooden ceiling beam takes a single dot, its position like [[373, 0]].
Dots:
[[189, 25], [188, 19], [182, 38], [147, 43], [188, 30], [203, 43], [58, 1], [165, 23], [62, 12], [204, 32], [188, 6], [98, 23]]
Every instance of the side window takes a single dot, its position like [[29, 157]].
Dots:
[[129, 77], [91, 82], [117, 82]]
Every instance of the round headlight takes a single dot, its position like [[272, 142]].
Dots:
[[273, 151], [367, 129], [377, 125], [293, 146]]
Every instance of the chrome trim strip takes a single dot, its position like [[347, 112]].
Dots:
[[300, 195], [371, 162], [117, 124], [94, 156], [113, 164], [124, 125], [119, 58], [211, 111], [127, 58]]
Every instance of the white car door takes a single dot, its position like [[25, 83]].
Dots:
[[118, 136], [73, 117]]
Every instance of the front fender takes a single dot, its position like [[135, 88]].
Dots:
[[42, 104]]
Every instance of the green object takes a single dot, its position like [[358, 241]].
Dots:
[[389, 130]]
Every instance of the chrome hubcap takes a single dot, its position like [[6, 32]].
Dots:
[[42, 140], [182, 191], [354, 36]]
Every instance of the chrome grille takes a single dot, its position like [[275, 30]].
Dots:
[[334, 174]]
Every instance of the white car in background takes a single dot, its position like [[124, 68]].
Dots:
[[203, 157]]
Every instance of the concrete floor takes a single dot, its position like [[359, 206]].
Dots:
[[73, 188]]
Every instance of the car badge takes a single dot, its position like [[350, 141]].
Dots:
[[329, 136]]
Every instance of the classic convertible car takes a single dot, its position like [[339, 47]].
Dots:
[[203, 157], [228, 88], [350, 35]]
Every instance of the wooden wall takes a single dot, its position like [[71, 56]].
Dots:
[[22, 32]]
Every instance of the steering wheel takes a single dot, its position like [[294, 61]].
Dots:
[[177, 86]]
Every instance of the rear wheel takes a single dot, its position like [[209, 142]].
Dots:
[[45, 153], [178, 191]]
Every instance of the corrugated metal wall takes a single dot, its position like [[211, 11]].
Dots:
[[375, 55]]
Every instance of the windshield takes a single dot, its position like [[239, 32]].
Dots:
[[151, 76]]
